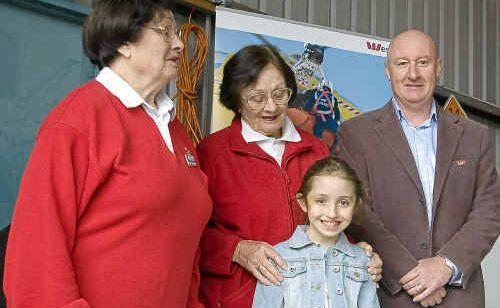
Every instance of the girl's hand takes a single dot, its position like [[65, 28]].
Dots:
[[374, 267], [254, 256]]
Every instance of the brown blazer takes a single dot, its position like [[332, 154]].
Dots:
[[466, 206]]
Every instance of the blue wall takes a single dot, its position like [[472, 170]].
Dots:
[[41, 60]]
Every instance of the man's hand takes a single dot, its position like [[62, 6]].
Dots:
[[428, 276], [374, 267], [435, 298], [254, 257]]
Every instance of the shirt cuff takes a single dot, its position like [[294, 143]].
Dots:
[[456, 275]]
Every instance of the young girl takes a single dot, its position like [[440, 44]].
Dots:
[[324, 269]]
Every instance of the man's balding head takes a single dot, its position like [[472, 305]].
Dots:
[[412, 35], [413, 67]]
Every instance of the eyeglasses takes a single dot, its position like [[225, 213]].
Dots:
[[168, 33], [257, 99]]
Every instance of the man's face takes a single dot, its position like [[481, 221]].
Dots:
[[413, 69]]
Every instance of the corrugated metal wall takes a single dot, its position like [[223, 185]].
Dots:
[[467, 31]]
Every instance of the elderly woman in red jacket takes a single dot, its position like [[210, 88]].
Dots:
[[254, 167], [112, 204]]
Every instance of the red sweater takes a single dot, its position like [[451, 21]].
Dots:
[[254, 199], [106, 215]]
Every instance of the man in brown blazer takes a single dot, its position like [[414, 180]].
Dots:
[[433, 211]]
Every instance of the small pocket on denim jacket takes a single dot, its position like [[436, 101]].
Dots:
[[294, 267], [358, 274], [355, 278], [295, 282]]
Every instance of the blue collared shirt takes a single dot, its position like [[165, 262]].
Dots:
[[422, 140], [317, 276]]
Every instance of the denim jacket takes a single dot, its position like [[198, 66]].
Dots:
[[335, 277]]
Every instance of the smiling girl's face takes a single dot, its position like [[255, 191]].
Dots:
[[329, 205]]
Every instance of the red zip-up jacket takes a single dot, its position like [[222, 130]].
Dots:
[[254, 199]]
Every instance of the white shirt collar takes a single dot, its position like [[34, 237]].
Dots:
[[290, 133], [128, 96]]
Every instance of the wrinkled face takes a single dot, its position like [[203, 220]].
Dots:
[[269, 117], [413, 68], [330, 207], [157, 52]]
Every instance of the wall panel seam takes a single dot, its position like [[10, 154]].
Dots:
[[456, 45], [484, 51], [471, 47], [441, 36]]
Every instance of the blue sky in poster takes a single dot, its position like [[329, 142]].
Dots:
[[358, 77]]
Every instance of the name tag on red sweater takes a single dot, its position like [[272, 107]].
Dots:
[[190, 159]]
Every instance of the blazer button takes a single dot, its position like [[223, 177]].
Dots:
[[424, 245], [422, 201]]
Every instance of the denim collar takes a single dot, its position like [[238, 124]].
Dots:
[[300, 239]]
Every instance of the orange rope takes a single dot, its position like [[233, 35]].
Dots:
[[189, 73]]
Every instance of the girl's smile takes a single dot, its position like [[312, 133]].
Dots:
[[330, 207]]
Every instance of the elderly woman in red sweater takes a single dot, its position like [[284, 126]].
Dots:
[[112, 203], [254, 167]]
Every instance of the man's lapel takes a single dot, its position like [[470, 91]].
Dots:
[[449, 135], [390, 131]]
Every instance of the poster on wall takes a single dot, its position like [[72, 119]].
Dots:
[[339, 75]]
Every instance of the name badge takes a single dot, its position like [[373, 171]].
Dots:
[[190, 159]]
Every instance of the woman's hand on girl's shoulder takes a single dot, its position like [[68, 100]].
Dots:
[[375, 266], [255, 257]]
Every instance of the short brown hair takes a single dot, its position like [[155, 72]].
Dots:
[[334, 166], [112, 23], [244, 68]]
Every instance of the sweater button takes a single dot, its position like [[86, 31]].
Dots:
[[219, 304], [423, 245]]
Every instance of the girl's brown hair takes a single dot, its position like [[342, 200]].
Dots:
[[333, 166]]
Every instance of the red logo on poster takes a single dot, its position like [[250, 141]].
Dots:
[[373, 46], [376, 46]]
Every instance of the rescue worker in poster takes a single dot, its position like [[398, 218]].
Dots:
[[324, 106]]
